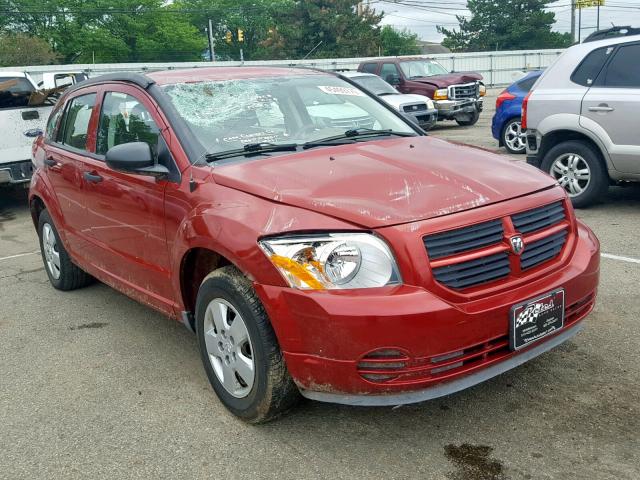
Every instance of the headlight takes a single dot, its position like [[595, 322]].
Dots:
[[482, 89], [441, 94], [333, 261]]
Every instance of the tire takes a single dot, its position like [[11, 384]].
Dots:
[[62, 272], [225, 358], [465, 121], [587, 180], [512, 138]]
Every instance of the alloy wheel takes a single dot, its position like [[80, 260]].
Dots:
[[514, 138], [51, 252], [572, 173], [229, 347]]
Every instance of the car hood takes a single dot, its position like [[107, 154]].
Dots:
[[443, 81], [385, 182], [396, 100]]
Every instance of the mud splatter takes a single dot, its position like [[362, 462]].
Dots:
[[473, 463], [89, 325]]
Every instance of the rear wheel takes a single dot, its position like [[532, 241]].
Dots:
[[239, 349], [579, 170], [62, 272], [513, 138]]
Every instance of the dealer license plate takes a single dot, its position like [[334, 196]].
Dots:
[[534, 319]]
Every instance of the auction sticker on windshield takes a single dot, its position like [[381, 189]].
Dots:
[[534, 319], [352, 92]]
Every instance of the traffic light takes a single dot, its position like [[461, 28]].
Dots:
[[240, 35], [228, 37]]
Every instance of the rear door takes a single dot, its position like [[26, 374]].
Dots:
[[610, 107], [125, 212]]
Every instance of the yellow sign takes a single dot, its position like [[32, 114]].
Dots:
[[589, 3]]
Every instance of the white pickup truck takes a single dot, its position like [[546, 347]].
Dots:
[[23, 116]]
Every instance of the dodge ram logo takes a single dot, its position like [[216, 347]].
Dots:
[[517, 245]]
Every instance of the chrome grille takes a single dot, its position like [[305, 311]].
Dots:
[[468, 90], [359, 122]]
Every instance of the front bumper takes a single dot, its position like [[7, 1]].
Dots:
[[426, 119], [16, 172], [325, 335], [449, 109]]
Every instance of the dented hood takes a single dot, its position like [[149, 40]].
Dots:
[[443, 81], [385, 182]]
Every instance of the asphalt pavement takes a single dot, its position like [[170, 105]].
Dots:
[[94, 385]]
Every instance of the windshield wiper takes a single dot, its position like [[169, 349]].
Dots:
[[252, 149], [352, 135]]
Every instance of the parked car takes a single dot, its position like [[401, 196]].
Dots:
[[505, 125], [457, 95], [351, 265], [417, 107], [23, 115], [581, 117]]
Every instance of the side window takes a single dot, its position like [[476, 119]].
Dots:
[[388, 71], [586, 73], [624, 69], [76, 123], [52, 125], [124, 119], [369, 67]]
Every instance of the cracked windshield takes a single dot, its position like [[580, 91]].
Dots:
[[225, 115]]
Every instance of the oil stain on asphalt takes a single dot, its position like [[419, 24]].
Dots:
[[89, 325], [473, 463]]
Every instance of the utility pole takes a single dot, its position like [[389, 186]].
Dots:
[[212, 53], [579, 25], [573, 20], [598, 22]]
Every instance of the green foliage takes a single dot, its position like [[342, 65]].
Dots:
[[505, 25], [18, 49], [398, 42]]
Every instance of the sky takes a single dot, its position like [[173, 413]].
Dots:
[[430, 13]]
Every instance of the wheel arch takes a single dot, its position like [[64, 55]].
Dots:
[[557, 137]]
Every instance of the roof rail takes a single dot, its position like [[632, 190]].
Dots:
[[612, 33]]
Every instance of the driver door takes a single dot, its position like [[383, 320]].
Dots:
[[125, 212]]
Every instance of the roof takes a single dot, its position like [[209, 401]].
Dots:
[[353, 74], [227, 73], [4, 73]]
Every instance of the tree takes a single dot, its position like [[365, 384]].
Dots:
[[398, 42], [505, 25], [324, 29], [18, 49]]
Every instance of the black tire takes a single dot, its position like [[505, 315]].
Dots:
[[70, 276], [599, 178], [273, 391], [503, 134], [467, 120]]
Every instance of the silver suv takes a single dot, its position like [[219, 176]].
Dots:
[[582, 118]]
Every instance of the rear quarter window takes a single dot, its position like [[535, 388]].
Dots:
[[526, 84], [369, 67], [585, 73]]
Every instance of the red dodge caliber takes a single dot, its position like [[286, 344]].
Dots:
[[317, 242]]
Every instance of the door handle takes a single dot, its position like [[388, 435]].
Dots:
[[601, 108], [92, 177], [50, 162]]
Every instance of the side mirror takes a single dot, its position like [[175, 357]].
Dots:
[[135, 157], [33, 132]]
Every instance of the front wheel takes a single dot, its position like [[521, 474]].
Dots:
[[579, 169], [513, 138], [468, 119], [62, 272], [239, 349]]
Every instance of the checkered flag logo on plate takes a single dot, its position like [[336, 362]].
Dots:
[[528, 315]]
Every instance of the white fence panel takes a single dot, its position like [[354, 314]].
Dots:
[[497, 68]]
